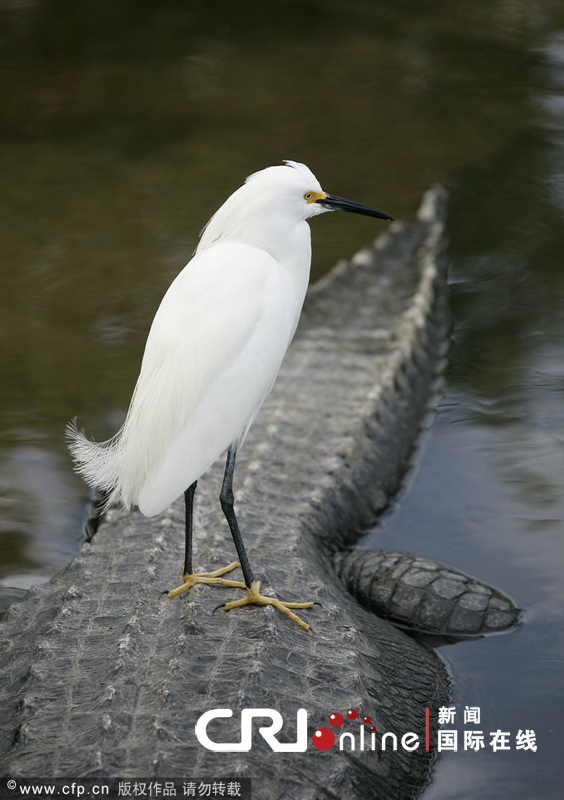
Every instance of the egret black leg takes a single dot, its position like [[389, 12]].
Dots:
[[226, 500], [253, 587], [190, 577], [253, 594], [189, 510]]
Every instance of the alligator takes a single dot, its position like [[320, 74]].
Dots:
[[103, 675]]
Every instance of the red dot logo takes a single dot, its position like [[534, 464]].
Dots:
[[336, 720], [323, 738], [373, 729], [367, 720], [352, 713]]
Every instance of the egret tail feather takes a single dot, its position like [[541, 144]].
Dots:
[[98, 463]]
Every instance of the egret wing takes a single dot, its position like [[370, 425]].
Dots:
[[213, 352]]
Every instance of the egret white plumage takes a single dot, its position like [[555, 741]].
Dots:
[[212, 355]]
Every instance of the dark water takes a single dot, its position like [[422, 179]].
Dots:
[[123, 126]]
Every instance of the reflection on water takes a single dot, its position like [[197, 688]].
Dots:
[[125, 125]]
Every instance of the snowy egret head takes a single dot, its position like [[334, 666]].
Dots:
[[267, 209]]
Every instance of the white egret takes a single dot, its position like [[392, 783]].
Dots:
[[212, 355]]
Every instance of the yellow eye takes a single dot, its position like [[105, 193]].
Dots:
[[313, 197]]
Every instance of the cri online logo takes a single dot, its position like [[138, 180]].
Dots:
[[322, 739]]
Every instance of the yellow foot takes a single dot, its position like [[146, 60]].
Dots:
[[254, 596], [207, 577]]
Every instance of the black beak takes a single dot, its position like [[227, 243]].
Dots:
[[339, 203]]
